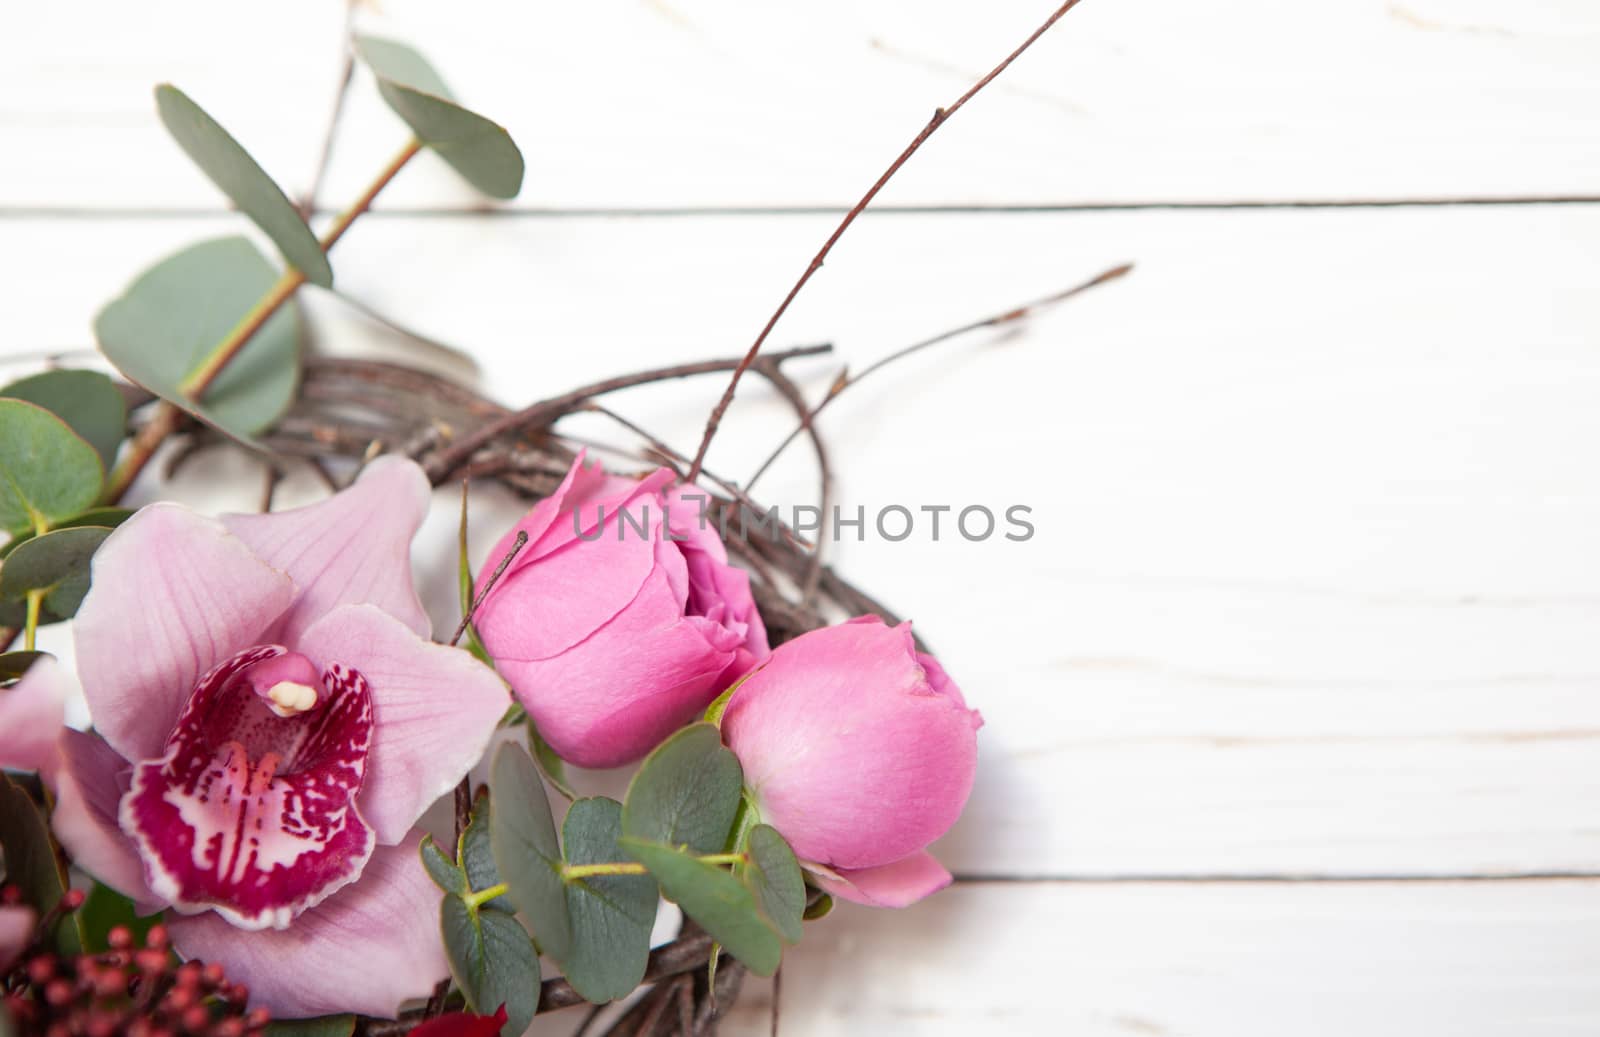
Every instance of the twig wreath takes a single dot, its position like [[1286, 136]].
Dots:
[[234, 848]]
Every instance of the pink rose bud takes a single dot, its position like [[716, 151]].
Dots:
[[620, 619], [861, 752]]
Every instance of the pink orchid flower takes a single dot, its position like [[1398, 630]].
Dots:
[[271, 721], [621, 619], [861, 751], [31, 712]]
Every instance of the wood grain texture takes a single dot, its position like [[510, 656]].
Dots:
[[685, 103], [1313, 587], [1505, 959]]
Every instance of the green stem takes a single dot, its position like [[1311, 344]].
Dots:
[[572, 872], [35, 600], [196, 382], [483, 896]]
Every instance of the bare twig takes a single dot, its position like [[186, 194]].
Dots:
[[516, 545], [537, 415], [1016, 313], [940, 117]]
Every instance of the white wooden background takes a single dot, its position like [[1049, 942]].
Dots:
[[1294, 700]]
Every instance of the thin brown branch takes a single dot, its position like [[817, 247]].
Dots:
[[1016, 313], [940, 117], [537, 415]]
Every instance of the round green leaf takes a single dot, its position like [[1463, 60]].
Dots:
[[31, 860], [612, 915], [723, 905], [773, 875], [47, 471], [103, 910], [322, 1026], [14, 664], [444, 872], [86, 400], [475, 855], [481, 151], [180, 309], [245, 183], [492, 961], [401, 64], [56, 563], [110, 518], [522, 839], [686, 792]]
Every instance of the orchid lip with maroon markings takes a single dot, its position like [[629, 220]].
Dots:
[[270, 721], [252, 809]]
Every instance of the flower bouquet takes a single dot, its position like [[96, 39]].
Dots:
[[296, 811]]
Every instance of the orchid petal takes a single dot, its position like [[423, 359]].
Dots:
[[90, 784], [353, 547], [367, 949], [435, 707], [16, 930], [900, 884], [31, 712], [173, 594]]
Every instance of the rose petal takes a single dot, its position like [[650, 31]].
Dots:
[[354, 547], [614, 696], [251, 814], [90, 784], [851, 750], [900, 884], [173, 594], [31, 711], [367, 949], [436, 708]]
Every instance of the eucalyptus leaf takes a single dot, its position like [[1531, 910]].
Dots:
[[481, 151], [522, 838], [399, 63], [47, 471], [553, 767], [686, 792], [723, 905], [178, 311], [86, 400], [819, 908], [475, 856], [56, 563], [322, 1026], [31, 860], [103, 910], [245, 183], [492, 960], [445, 873], [14, 664], [773, 874], [612, 915], [109, 518]]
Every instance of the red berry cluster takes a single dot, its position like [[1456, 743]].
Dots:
[[127, 991]]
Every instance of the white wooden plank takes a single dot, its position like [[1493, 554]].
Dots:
[[78, 117], [719, 103], [1314, 587], [1484, 960]]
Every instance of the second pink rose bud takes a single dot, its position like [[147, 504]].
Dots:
[[621, 618]]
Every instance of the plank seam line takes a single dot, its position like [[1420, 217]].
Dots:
[[61, 212], [1269, 878]]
